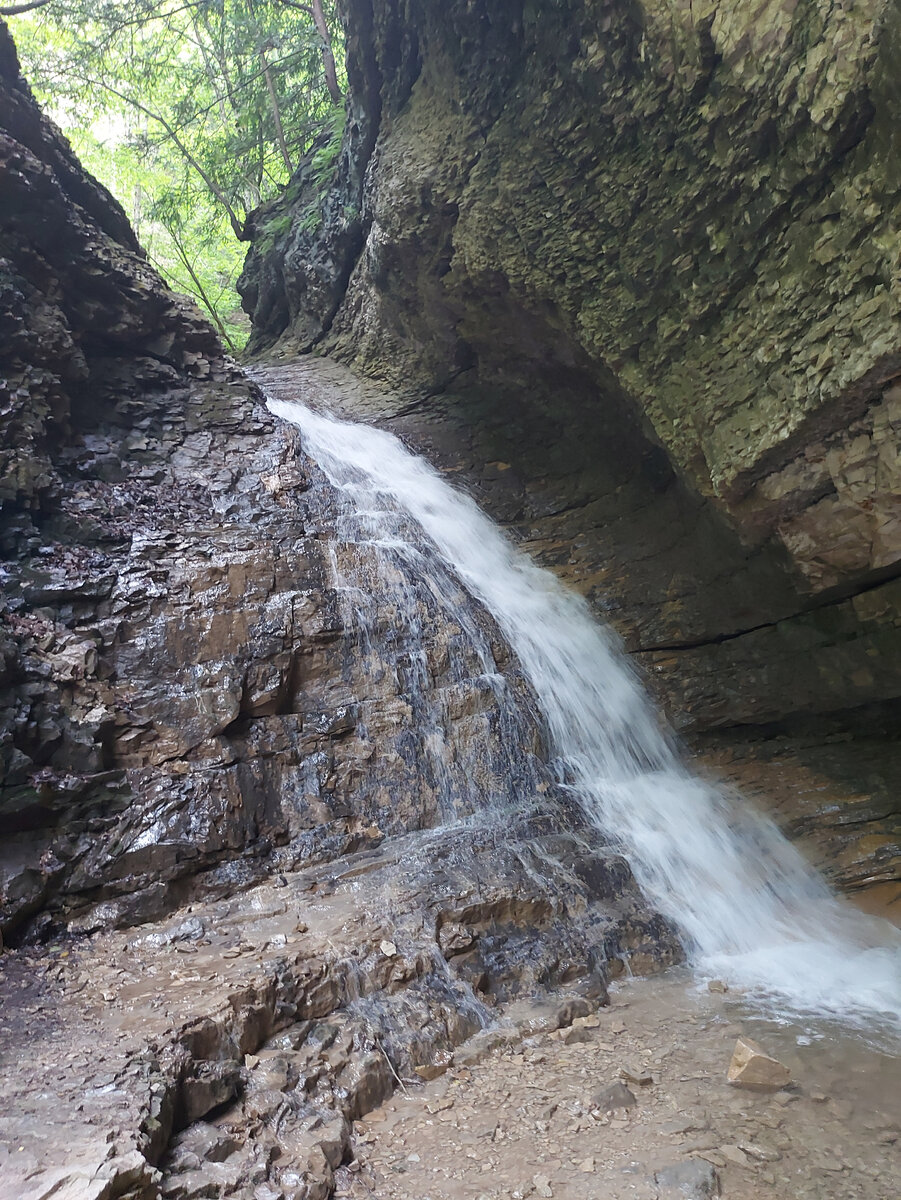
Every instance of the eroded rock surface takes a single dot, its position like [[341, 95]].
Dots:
[[830, 777], [231, 1047], [207, 674], [135, 566], [631, 271], [525, 1121]]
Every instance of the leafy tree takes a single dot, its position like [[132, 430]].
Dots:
[[191, 111]]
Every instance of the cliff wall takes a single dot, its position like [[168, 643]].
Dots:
[[189, 716], [183, 706], [632, 269], [174, 670], [188, 706]]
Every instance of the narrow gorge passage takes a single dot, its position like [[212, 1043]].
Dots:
[[342, 851], [749, 908]]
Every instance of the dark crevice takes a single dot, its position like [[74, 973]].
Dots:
[[827, 421], [876, 723], [423, 402], [833, 597]]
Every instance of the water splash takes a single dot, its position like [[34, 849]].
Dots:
[[749, 908]]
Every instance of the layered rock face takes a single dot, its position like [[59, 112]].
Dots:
[[207, 676], [211, 697], [129, 494], [217, 694], [631, 272], [645, 255]]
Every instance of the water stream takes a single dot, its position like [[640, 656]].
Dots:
[[750, 909]]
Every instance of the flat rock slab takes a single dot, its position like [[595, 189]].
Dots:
[[694, 1180]]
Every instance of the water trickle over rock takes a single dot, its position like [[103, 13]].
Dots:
[[628, 269], [747, 903]]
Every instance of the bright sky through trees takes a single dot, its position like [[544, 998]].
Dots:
[[192, 112]]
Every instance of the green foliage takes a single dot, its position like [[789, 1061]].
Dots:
[[324, 159], [185, 234], [311, 219], [274, 228], [279, 225], [192, 112], [310, 184]]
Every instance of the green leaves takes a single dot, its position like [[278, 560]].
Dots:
[[192, 112]]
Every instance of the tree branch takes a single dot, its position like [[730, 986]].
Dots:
[[328, 58], [304, 8], [201, 290], [276, 112], [15, 10], [236, 224]]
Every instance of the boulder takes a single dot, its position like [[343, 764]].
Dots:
[[617, 1096]]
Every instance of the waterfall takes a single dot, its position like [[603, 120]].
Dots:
[[749, 908]]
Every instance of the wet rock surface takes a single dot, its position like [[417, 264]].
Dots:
[[130, 491], [831, 780], [233, 1046], [834, 795], [208, 674], [629, 269]]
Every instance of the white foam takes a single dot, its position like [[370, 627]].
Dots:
[[749, 908]]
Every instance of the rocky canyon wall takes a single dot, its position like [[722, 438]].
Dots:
[[129, 496], [215, 698], [183, 706], [187, 706], [224, 726], [633, 269], [630, 272]]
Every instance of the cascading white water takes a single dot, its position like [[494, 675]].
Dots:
[[749, 908], [394, 587]]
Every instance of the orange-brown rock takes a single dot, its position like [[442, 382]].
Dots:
[[751, 1067]]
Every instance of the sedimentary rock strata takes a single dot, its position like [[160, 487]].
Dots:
[[631, 271]]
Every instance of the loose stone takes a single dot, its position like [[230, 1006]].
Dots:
[[751, 1067], [613, 1098]]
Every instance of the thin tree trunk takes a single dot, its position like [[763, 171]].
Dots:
[[276, 112], [314, 10], [137, 209], [212, 68], [273, 96], [201, 290], [328, 58]]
